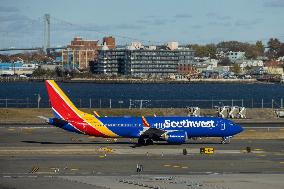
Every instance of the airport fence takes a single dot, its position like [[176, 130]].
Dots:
[[136, 103]]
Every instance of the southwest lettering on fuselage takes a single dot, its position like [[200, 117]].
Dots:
[[184, 123]]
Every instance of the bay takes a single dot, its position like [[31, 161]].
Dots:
[[162, 95]]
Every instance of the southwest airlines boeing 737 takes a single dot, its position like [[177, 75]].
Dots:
[[176, 130]]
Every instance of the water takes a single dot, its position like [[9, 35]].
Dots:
[[160, 95]]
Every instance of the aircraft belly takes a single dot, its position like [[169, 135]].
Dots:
[[203, 132], [128, 132]]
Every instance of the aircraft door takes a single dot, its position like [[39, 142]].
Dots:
[[223, 125]]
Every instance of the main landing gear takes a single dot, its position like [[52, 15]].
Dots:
[[226, 140], [145, 141]]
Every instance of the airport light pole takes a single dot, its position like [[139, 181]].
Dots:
[[38, 99]]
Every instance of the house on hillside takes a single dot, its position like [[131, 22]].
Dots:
[[234, 56], [274, 67]]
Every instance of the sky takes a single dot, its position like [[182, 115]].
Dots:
[[148, 21]]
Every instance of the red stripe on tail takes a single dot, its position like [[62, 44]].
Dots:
[[66, 109]]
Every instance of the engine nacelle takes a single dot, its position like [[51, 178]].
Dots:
[[176, 137]]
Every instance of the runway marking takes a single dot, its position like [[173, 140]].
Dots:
[[76, 139], [58, 132], [55, 169], [106, 149], [214, 181], [175, 166], [258, 149], [251, 130], [261, 155], [34, 169], [11, 129], [28, 130], [101, 156], [74, 169], [45, 172], [279, 154], [282, 162]]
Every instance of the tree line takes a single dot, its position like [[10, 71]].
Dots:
[[273, 49]]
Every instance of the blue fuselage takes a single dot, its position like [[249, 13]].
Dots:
[[132, 127]]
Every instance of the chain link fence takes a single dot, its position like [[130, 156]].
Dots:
[[143, 103]]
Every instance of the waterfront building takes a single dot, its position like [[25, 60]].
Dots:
[[274, 70], [17, 68], [233, 56], [280, 59], [157, 63], [249, 63], [274, 67], [188, 70], [80, 52], [109, 61], [140, 61], [109, 42], [49, 66]]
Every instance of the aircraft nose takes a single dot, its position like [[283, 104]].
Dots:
[[239, 129]]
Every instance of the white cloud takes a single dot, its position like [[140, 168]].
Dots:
[[274, 3]]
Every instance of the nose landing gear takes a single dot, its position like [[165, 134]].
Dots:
[[226, 140]]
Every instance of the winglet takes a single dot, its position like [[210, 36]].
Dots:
[[96, 114], [145, 122]]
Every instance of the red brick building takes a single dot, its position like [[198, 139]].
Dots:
[[80, 52], [110, 42]]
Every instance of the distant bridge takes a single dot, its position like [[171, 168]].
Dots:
[[58, 25]]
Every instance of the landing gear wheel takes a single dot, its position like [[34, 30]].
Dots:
[[149, 141], [141, 141], [225, 140]]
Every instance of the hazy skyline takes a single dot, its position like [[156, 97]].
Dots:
[[156, 21]]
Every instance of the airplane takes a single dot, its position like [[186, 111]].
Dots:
[[174, 130]]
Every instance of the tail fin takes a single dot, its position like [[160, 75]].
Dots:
[[64, 109], [61, 105]]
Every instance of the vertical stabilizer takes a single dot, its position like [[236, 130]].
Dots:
[[60, 103]]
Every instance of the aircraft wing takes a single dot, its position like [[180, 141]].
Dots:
[[149, 131], [153, 133]]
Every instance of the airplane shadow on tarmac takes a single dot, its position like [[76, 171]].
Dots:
[[131, 144], [94, 142]]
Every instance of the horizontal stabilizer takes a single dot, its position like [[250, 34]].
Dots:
[[44, 118]]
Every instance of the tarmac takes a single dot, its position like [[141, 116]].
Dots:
[[48, 157]]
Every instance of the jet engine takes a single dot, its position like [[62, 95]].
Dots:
[[176, 137]]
